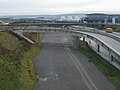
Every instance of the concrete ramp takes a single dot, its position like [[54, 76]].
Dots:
[[28, 39], [21, 35]]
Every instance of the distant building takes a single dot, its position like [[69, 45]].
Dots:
[[69, 18], [95, 18], [76, 18], [102, 18], [62, 18], [114, 19]]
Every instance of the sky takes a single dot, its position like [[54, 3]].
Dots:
[[22, 7]]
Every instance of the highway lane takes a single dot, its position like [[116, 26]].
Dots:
[[114, 35], [64, 68]]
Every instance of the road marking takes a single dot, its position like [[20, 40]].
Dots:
[[81, 69]]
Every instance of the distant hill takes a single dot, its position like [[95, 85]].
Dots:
[[46, 16], [72, 14]]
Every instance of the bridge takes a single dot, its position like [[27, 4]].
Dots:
[[109, 42], [52, 23]]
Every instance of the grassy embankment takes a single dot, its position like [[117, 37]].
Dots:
[[16, 67], [107, 69], [116, 28]]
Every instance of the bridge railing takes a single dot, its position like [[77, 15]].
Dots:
[[113, 52]]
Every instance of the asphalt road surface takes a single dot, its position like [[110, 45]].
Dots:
[[60, 67]]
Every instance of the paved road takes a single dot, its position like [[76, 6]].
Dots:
[[64, 68]]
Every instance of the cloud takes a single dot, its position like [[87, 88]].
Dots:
[[32, 6]]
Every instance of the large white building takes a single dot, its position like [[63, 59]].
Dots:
[[77, 18], [62, 18], [70, 18]]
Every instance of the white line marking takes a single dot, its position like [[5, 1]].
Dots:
[[77, 63], [80, 68]]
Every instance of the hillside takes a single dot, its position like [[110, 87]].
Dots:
[[16, 67]]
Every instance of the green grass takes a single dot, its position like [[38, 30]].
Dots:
[[116, 28], [107, 69], [18, 75], [27, 75], [16, 66], [8, 41]]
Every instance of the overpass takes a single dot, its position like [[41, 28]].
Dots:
[[53, 23], [110, 44]]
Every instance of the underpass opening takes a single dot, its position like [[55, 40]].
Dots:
[[65, 41]]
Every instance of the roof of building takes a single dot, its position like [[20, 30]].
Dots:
[[104, 14], [96, 14]]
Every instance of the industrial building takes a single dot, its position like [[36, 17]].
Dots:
[[70, 18], [102, 18]]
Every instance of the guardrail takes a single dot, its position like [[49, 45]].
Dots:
[[113, 52]]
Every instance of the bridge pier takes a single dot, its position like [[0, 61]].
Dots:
[[77, 46], [111, 57], [98, 48], [84, 40]]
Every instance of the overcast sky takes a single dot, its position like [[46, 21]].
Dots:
[[56, 6]]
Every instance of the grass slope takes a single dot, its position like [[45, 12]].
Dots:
[[16, 67]]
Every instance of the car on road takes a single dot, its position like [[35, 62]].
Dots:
[[109, 30]]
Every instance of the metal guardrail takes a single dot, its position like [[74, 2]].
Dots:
[[102, 42]]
